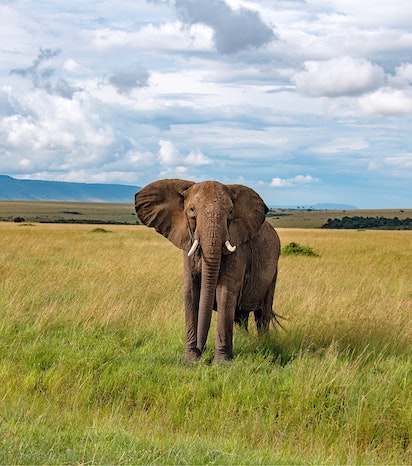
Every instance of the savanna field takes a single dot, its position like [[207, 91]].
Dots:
[[92, 340]]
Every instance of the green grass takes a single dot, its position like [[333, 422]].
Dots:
[[92, 368]]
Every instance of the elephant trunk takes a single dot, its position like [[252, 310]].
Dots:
[[210, 274], [211, 247]]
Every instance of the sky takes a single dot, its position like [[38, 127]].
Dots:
[[305, 101]]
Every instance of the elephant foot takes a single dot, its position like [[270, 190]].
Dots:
[[192, 354], [221, 357]]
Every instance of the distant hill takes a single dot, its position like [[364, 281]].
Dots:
[[329, 206], [35, 190], [323, 206]]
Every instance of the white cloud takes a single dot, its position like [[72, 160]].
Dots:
[[280, 183], [336, 77], [168, 153], [72, 66], [197, 159], [172, 160], [170, 36], [342, 145], [298, 180], [387, 101], [400, 162], [402, 77], [403, 162], [369, 12], [53, 132]]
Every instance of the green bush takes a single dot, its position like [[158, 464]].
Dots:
[[101, 230], [297, 249]]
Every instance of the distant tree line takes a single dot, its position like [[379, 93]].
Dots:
[[369, 223], [69, 221], [274, 213]]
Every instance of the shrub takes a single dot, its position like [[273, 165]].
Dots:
[[101, 230], [297, 249]]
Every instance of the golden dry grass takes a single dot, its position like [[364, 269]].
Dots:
[[358, 291]]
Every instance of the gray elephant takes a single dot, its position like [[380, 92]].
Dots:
[[230, 255]]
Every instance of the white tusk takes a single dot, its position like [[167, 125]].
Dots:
[[193, 248], [229, 247]]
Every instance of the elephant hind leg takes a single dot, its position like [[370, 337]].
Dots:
[[262, 319], [265, 314], [242, 318]]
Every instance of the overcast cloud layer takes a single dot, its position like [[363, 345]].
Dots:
[[304, 101]]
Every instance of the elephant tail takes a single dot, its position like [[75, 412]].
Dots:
[[275, 318]]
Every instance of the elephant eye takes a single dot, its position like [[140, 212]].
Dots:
[[192, 211]]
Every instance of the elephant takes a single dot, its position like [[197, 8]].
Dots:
[[230, 255]]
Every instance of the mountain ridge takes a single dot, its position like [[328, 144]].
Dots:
[[38, 190]]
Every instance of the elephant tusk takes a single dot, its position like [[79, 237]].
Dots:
[[229, 247], [193, 248]]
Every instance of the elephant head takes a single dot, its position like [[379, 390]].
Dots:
[[207, 219]]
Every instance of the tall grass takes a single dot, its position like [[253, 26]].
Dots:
[[92, 368]]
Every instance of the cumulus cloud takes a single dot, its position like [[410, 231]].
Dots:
[[53, 133], [402, 77], [197, 159], [233, 30], [344, 76], [172, 161], [298, 180], [127, 80], [387, 101], [72, 66], [168, 153]]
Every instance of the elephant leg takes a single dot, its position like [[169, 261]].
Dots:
[[264, 315], [191, 300], [226, 306], [262, 322], [242, 318]]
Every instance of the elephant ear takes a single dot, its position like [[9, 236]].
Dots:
[[249, 212], [160, 205]]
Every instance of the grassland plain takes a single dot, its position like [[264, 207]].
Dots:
[[92, 338], [96, 212], [68, 212]]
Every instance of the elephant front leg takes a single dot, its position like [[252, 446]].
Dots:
[[191, 300], [226, 305]]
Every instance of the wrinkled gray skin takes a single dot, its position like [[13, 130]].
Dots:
[[233, 283]]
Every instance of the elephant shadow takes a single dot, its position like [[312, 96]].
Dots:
[[270, 347], [283, 345]]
